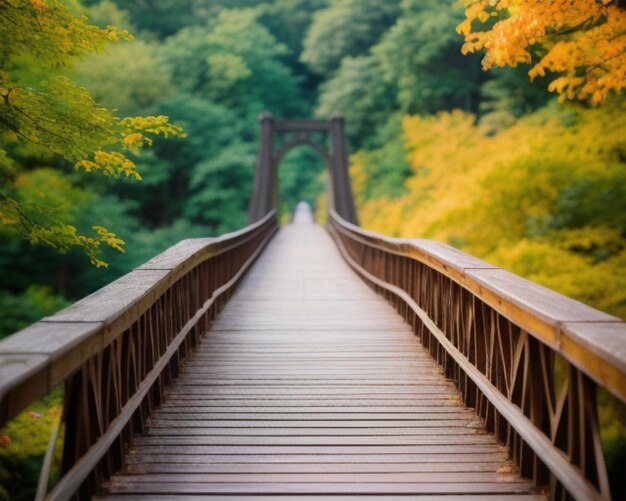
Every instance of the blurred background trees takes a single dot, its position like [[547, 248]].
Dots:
[[487, 161]]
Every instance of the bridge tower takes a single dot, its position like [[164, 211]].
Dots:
[[293, 133]]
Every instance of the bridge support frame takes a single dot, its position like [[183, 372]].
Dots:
[[265, 191]]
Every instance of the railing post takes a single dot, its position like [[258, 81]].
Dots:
[[263, 192], [342, 192]]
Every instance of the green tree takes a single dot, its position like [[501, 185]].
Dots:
[[128, 78], [359, 93], [78, 205], [45, 115], [421, 56], [20, 310], [212, 128], [163, 18], [289, 19], [220, 189], [235, 61], [415, 67], [346, 28], [108, 13]]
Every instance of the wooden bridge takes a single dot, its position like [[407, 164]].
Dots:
[[446, 377]]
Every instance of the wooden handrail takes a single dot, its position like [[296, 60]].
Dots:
[[116, 349], [500, 337]]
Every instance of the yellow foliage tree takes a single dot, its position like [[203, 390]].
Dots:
[[44, 114], [544, 198], [584, 41]]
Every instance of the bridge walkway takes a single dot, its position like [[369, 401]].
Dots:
[[309, 383]]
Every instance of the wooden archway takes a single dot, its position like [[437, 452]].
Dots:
[[299, 132]]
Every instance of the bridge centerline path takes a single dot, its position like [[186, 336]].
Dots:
[[308, 383]]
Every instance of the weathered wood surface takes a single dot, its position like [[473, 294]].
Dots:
[[310, 384]]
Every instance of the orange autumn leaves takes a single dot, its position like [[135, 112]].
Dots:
[[583, 42]]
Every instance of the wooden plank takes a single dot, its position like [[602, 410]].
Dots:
[[66, 345], [347, 366], [225, 358], [380, 399], [139, 457], [372, 391], [254, 497], [326, 477], [290, 344], [210, 417], [41, 356], [333, 440], [320, 423], [599, 349], [536, 309], [52, 339], [247, 468], [180, 254], [310, 432], [137, 288], [338, 379], [263, 341], [447, 257], [308, 352], [322, 401], [354, 372], [316, 449], [262, 315], [329, 382], [443, 412], [118, 486], [383, 350], [277, 336], [309, 375], [314, 432], [217, 497]]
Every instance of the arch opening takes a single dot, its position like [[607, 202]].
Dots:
[[302, 176]]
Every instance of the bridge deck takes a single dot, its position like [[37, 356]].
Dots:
[[310, 384]]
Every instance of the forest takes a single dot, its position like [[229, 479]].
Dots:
[[503, 144]]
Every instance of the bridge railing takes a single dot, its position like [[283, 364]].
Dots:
[[527, 359], [117, 349]]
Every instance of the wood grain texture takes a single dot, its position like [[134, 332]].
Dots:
[[310, 384], [191, 497]]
